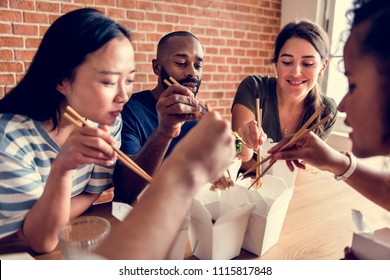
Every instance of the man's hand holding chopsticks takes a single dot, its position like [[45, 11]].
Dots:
[[176, 105]]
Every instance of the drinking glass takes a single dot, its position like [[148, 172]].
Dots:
[[80, 236]]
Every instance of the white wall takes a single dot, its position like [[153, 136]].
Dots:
[[296, 9]]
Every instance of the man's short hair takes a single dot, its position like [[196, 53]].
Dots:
[[166, 37]]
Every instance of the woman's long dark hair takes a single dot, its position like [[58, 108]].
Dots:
[[376, 44], [63, 48], [318, 38]]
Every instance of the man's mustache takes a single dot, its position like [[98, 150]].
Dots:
[[189, 80]]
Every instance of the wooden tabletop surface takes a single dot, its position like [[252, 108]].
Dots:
[[318, 223]]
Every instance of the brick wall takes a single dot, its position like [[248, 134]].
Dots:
[[237, 37]]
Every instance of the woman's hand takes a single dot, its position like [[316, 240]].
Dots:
[[311, 149], [252, 135], [87, 145]]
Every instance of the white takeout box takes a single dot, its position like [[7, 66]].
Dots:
[[279, 168], [121, 210], [267, 218], [222, 239], [375, 246], [234, 168]]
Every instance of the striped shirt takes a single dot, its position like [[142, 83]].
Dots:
[[26, 154]]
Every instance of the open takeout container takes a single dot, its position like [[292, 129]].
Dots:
[[266, 220], [375, 246], [279, 168], [121, 210], [368, 244], [217, 230]]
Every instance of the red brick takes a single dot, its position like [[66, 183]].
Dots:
[[145, 5], [218, 42], [171, 18], [154, 38], [164, 28], [239, 52], [7, 79], [42, 30], [5, 28], [144, 67], [110, 3], [12, 16], [33, 42], [19, 77], [135, 15], [11, 67], [199, 31], [223, 69], [129, 24], [25, 29], [188, 2], [6, 54], [65, 8], [129, 4], [211, 50], [231, 60], [35, 17], [8, 41], [53, 18], [28, 5], [187, 20], [85, 2], [140, 77], [162, 7], [146, 26], [48, 7], [224, 102], [218, 59], [25, 55], [154, 16], [148, 47], [116, 13]]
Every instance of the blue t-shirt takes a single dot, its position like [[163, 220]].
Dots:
[[140, 119]]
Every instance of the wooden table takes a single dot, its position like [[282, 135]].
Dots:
[[318, 224]]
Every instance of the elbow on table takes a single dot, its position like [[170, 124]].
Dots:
[[44, 247], [40, 245]]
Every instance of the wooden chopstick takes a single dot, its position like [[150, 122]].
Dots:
[[74, 117], [298, 135], [172, 80], [259, 118]]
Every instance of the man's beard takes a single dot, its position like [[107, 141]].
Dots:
[[164, 75]]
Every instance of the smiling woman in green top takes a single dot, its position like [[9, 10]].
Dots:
[[292, 96]]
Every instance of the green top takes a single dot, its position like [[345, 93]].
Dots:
[[264, 88]]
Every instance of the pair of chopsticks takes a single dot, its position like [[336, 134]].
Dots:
[[303, 131], [76, 118], [170, 81]]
